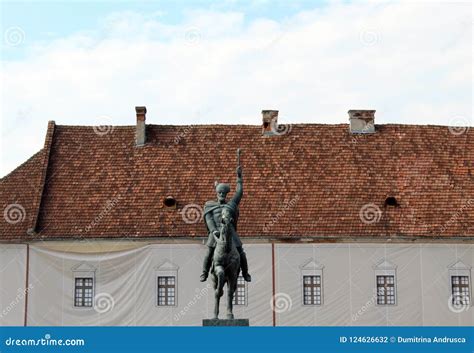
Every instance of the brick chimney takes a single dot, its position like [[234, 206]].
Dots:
[[140, 132], [269, 122], [361, 121]]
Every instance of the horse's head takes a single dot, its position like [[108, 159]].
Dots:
[[227, 219], [227, 216]]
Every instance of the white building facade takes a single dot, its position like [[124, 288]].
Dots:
[[118, 283]]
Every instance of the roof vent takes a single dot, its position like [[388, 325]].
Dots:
[[391, 201], [169, 201], [362, 121]]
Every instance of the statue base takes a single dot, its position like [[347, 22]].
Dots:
[[225, 322]]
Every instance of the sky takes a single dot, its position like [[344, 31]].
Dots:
[[222, 62]]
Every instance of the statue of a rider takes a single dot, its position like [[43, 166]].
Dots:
[[212, 217]]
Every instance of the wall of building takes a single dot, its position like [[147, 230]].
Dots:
[[12, 284], [125, 284], [348, 271]]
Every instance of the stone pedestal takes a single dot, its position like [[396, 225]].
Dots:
[[225, 322]]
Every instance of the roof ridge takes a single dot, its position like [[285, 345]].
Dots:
[[258, 125], [44, 168]]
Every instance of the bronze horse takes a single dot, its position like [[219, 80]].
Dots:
[[226, 264]]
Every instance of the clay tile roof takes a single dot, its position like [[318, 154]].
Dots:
[[18, 191], [314, 181]]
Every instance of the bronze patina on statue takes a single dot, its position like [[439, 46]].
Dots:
[[225, 256]]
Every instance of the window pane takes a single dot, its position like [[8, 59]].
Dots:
[[240, 293], [311, 290], [83, 291], [460, 290], [386, 290], [166, 290]]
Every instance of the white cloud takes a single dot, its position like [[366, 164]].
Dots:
[[411, 62]]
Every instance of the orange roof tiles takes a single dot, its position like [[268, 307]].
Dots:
[[316, 180]]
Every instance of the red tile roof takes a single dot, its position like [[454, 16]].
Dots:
[[316, 180], [18, 192]]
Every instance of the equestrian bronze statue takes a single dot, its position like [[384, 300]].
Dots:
[[225, 255], [225, 263]]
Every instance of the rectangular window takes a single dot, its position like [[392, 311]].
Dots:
[[460, 289], [386, 290], [166, 290], [83, 291], [240, 296], [312, 290]]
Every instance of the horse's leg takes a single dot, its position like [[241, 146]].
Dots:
[[219, 290], [232, 287], [220, 281], [230, 299], [216, 305]]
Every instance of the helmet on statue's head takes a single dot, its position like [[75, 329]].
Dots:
[[221, 187]]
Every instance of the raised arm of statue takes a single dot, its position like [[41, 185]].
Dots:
[[239, 191]]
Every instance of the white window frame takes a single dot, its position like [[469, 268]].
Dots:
[[385, 268], [246, 293], [166, 269], [311, 268], [83, 270], [459, 268]]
